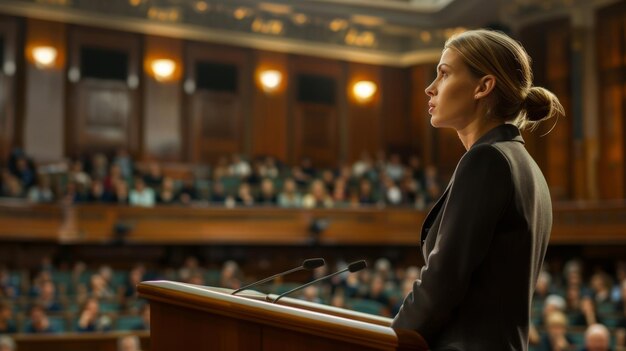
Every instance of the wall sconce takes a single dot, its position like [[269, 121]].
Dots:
[[44, 56], [364, 90], [163, 69], [270, 80]]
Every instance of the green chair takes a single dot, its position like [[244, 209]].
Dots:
[[127, 322]]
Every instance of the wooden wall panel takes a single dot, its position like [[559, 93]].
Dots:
[[319, 130], [217, 123], [270, 109], [548, 44], [162, 120], [560, 168], [8, 94], [364, 120], [395, 117], [611, 41], [316, 134], [44, 112], [104, 114]]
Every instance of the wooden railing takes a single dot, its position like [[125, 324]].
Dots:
[[76, 341], [574, 223]]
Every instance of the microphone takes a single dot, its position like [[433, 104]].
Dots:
[[352, 267], [308, 265]]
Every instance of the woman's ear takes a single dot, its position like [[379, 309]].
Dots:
[[485, 85]]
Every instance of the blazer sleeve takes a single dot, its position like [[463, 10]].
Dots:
[[481, 191]]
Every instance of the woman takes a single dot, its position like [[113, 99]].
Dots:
[[485, 239]]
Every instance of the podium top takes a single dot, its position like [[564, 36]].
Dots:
[[309, 318]]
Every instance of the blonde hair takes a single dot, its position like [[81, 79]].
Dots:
[[516, 99]]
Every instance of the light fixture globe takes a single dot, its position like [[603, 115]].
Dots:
[[270, 80], [364, 90], [163, 69], [44, 56]]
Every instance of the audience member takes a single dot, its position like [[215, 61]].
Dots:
[[41, 192], [267, 196], [597, 338], [244, 195], [7, 343], [39, 322], [290, 197], [7, 323], [128, 343], [90, 318], [239, 167], [317, 197], [167, 195], [218, 195], [556, 338], [154, 177], [141, 195]]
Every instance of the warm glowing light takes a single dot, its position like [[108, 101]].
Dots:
[[201, 6], [270, 80], [300, 19], [364, 90], [44, 56], [163, 69], [338, 24], [241, 13]]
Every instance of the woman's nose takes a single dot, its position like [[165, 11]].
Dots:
[[430, 90]]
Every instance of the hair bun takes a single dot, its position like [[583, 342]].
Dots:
[[541, 104]]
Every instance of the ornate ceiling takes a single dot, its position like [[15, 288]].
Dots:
[[396, 32]]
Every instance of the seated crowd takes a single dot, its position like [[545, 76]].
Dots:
[[567, 313], [383, 181]]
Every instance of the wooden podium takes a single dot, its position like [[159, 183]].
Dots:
[[192, 317]]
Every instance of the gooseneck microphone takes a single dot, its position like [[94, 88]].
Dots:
[[352, 267], [308, 265]]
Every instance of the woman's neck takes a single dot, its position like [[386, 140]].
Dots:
[[473, 131]]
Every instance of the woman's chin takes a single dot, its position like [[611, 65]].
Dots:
[[434, 122]]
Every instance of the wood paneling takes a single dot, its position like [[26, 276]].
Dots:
[[76, 341], [316, 134], [395, 116], [212, 318], [574, 223], [162, 120], [318, 129], [44, 112], [8, 123], [611, 41], [104, 114], [364, 119], [217, 123], [270, 123], [548, 44]]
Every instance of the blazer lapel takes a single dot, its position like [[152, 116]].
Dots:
[[434, 211]]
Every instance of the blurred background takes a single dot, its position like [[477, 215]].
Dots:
[[218, 142]]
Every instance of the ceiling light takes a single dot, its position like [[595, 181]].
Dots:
[[338, 24], [300, 19], [270, 80], [163, 69], [44, 56], [201, 6], [364, 90]]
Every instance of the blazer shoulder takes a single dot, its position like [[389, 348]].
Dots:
[[482, 155]]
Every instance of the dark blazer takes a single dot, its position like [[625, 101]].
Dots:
[[483, 243]]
